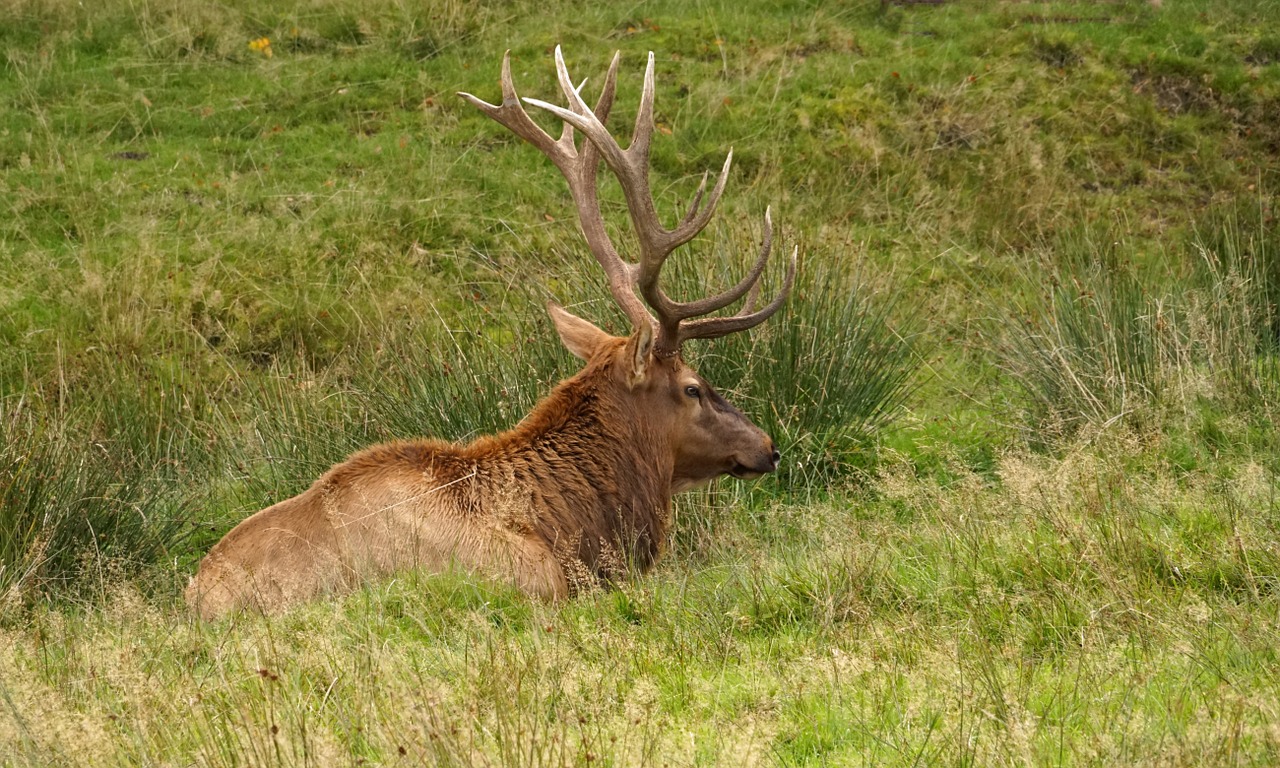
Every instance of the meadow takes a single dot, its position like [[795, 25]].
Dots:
[[1026, 389]]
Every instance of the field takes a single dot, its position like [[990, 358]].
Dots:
[[1026, 389]]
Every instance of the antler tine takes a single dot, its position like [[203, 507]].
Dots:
[[748, 283], [697, 200], [696, 219], [511, 115], [714, 327], [566, 85], [642, 135], [753, 296], [605, 103]]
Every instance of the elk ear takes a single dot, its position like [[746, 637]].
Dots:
[[640, 352], [579, 336]]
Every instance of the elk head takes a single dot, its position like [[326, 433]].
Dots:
[[707, 436]]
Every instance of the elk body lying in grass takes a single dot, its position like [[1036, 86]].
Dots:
[[581, 489]]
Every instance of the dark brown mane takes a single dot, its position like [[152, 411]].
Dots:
[[583, 453], [570, 406]]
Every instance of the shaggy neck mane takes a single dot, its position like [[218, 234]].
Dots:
[[596, 474]]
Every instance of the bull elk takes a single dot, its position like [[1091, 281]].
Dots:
[[581, 489]]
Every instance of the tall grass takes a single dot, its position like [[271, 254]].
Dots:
[[827, 373], [1097, 343], [1086, 349], [79, 512], [1238, 273]]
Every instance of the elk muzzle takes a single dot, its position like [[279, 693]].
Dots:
[[750, 467]]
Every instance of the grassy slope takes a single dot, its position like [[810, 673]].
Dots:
[[213, 257]]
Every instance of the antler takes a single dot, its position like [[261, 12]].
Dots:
[[631, 167]]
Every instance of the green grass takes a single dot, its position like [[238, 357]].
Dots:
[[1096, 343], [1025, 389]]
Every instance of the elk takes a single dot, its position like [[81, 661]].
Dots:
[[580, 491]]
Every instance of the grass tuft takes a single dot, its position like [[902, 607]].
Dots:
[[78, 513], [1095, 343]]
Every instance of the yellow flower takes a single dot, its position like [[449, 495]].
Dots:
[[262, 44]]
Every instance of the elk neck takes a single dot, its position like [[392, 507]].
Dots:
[[596, 470]]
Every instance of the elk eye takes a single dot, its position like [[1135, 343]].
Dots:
[[692, 391]]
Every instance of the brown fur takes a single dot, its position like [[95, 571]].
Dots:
[[575, 495]]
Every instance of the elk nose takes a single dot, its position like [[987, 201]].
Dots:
[[776, 456]]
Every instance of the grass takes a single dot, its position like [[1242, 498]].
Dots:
[[1081, 609], [1025, 390], [1097, 344]]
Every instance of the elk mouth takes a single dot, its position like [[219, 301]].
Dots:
[[743, 472], [769, 464]]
